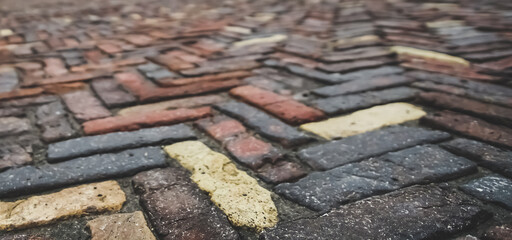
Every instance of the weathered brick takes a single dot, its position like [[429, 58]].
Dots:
[[494, 189], [422, 164], [470, 126], [342, 104], [13, 126], [264, 124], [172, 104], [262, 40], [355, 65], [54, 67], [52, 120], [358, 147], [29, 101], [31, 179], [441, 57], [356, 54], [13, 155], [251, 151], [365, 120], [71, 77], [85, 106], [361, 41], [120, 226], [467, 105], [70, 202], [311, 73], [411, 213], [84, 146], [362, 85], [502, 232], [110, 93], [281, 171], [21, 92], [11, 112], [221, 127], [220, 66], [135, 122], [190, 215], [496, 159], [237, 194], [207, 78], [8, 79]]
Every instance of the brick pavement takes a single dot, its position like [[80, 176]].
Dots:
[[327, 119]]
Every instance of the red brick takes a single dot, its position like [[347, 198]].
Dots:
[[221, 127], [252, 151], [171, 62], [138, 40], [109, 48], [288, 58], [207, 78], [72, 77], [85, 106], [257, 96], [54, 67], [63, 87], [23, 92], [134, 122]]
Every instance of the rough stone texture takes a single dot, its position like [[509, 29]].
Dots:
[[471, 126], [110, 93], [341, 104], [322, 191], [418, 212], [11, 112], [51, 118], [120, 226], [135, 122], [362, 85], [251, 151], [494, 189], [75, 201], [358, 147], [117, 141], [172, 104], [85, 106], [370, 73], [498, 160], [440, 57], [178, 209], [12, 155], [498, 233], [13, 125], [8, 79], [281, 171], [30, 179], [365, 120], [264, 124], [237, 194]]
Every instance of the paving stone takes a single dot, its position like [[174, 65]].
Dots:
[[237, 194], [270, 39], [22, 92], [470, 126], [13, 125], [11, 112], [370, 73], [221, 127], [281, 171], [419, 53], [358, 147], [84, 146], [356, 54], [418, 212], [13, 155], [220, 67], [54, 67], [120, 226], [191, 214], [495, 189], [51, 118], [70, 202], [311, 73], [498, 160], [463, 104], [85, 106], [135, 122], [365, 120], [111, 94], [8, 79], [264, 124], [29, 101], [362, 85], [206, 78], [71, 77], [172, 104], [342, 104], [502, 232], [31, 179], [322, 191], [355, 65]]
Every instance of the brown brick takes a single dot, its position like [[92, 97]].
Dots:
[[120, 226], [281, 171], [355, 65], [207, 78], [221, 127], [71, 77], [252, 151], [13, 125], [54, 67], [85, 106], [257, 96], [63, 88], [23, 92], [13, 155], [111, 93], [130, 123]]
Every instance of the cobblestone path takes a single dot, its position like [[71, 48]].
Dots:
[[265, 119]]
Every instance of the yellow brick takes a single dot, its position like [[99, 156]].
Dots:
[[271, 39], [355, 40], [414, 52], [120, 226], [237, 194], [75, 201], [240, 30], [365, 120], [445, 23]]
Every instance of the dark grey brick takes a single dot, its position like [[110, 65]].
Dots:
[[495, 189], [32, 179], [341, 104], [418, 212], [421, 164], [370, 73], [117, 141], [110, 92], [178, 209], [314, 74], [496, 159], [362, 85], [264, 124], [52, 119], [335, 153]]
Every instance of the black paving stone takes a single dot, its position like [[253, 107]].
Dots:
[[362, 85], [495, 189]]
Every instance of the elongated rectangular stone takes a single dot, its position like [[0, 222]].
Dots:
[[237, 194], [495, 189], [111, 93], [31, 179], [120, 226], [172, 104], [336, 153], [178, 209], [13, 126], [84, 105], [412, 213], [362, 85], [322, 191], [420, 53], [370, 73], [342, 104], [264, 124], [52, 119], [13, 155], [70, 202], [496, 159], [311, 73], [355, 65], [117, 141], [365, 120]]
